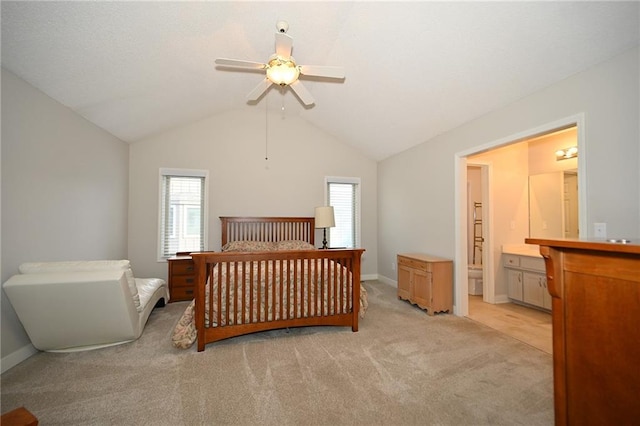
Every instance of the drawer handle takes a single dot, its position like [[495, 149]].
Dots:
[[189, 280], [189, 268], [189, 291]]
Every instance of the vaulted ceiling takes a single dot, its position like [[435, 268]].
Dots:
[[413, 69]]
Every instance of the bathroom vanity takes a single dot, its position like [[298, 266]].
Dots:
[[526, 279], [595, 290]]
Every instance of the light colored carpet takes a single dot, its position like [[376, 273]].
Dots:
[[402, 367]]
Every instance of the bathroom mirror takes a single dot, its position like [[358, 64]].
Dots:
[[553, 205]]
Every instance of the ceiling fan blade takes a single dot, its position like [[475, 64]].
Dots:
[[302, 92], [322, 71], [239, 63], [284, 44], [259, 90]]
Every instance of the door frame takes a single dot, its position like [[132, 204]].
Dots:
[[488, 281], [461, 279]]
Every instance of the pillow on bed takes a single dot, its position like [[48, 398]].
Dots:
[[294, 245], [267, 245], [249, 246]]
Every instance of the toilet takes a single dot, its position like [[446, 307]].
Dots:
[[475, 279]]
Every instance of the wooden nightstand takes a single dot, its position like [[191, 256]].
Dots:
[[182, 277]]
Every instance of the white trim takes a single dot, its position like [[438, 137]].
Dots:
[[351, 180], [163, 171], [388, 281], [461, 279], [488, 274], [369, 277], [18, 356]]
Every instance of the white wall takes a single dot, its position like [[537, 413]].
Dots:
[[417, 187], [64, 191], [231, 146], [509, 202], [542, 157]]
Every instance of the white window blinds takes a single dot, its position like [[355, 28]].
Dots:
[[344, 195], [182, 212]]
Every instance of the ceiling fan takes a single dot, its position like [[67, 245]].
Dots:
[[282, 69]]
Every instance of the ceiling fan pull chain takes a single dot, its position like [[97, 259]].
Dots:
[[266, 133]]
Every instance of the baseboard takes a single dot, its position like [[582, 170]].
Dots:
[[17, 357], [388, 281], [501, 298], [369, 277]]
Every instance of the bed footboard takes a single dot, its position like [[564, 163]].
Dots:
[[240, 293]]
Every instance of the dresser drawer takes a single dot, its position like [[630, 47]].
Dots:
[[181, 293], [414, 264], [183, 267]]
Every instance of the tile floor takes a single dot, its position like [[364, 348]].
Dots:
[[525, 324]]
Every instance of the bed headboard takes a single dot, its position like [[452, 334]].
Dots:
[[267, 229]]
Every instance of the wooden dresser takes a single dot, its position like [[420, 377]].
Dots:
[[426, 281], [182, 277], [595, 290]]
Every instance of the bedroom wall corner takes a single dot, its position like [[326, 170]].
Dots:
[[64, 192]]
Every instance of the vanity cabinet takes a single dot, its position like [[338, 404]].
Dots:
[[526, 280], [426, 281], [514, 284], [534, 290]]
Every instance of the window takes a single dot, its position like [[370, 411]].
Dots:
[[344, 195], [182, 211]]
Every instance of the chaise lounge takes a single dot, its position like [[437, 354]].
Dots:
[[82, 305]]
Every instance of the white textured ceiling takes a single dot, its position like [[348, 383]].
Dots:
[[413, 69]]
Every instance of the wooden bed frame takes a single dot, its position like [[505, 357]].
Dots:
[[321, 311]]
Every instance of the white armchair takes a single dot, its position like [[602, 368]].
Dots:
[[71, 306]]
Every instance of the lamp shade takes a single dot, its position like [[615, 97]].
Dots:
[[324, 217]]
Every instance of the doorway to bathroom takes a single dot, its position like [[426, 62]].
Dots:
[[496, 211]]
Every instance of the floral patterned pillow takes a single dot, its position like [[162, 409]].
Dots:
[[294, 245], [249, 246], [245, 246]]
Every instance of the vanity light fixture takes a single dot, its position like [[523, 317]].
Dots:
[[566, 153]]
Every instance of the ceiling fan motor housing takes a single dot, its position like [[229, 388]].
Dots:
[[282, 26]]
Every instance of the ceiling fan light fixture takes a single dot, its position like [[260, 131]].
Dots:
[[281, 71]]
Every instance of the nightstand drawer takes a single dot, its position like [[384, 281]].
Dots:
[[181, 293], [183, 267], [183, 280]]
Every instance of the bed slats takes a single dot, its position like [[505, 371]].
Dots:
[[328, 295], [275, 229]]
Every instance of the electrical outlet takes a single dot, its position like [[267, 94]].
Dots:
[[393, 266], [600, 230]]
